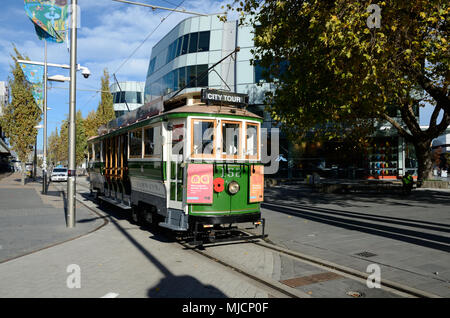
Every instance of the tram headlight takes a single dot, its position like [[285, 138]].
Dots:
[[233, 187]]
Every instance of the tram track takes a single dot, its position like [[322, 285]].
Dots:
[[274, 288], [279, 289]]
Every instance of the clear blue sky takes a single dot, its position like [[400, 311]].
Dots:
[[109, 33]]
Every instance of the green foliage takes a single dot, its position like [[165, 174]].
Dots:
[[22, 114], [105, 109], [80, 140], [341, 74]]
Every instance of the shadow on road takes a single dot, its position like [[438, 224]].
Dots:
[[171, 285], [306, 195], [340, 219]]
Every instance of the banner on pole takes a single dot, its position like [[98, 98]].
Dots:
[[34, 74], [49, 18]]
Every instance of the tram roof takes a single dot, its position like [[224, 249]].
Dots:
[[188, 104]]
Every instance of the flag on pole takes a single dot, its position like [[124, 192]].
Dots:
[[34, 74], [49, 18]]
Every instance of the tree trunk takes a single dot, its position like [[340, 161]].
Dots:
[[423, 153], [23, 172]]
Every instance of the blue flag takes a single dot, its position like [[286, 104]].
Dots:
[[34, 74], [49, 18]]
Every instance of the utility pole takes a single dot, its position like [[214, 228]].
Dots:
[[44, 164], [72, 111]]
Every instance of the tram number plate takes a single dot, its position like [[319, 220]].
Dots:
[[231, 172]]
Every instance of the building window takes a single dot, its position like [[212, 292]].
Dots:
[[191, 75], [122, 97], [139, 97], [182, 77], [203, 41], [151, 68], [193, 43], [185, 44], [179, 78], [136, 143], [202, 75], [188, 43], [273, 73], [131, 97]]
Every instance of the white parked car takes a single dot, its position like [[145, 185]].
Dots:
[[59, 174]]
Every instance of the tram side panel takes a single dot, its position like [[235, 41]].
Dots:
[[96, 169], [147, 184]]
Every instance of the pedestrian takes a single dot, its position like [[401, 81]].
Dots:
[[408, 183]]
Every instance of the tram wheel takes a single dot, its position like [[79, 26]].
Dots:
[[135, 216]]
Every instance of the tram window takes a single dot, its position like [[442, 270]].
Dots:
[[252, 141], [104, 150], [136, 143], [149, 145], [90, 152], [203, 138], [231, 138], [97, 151]]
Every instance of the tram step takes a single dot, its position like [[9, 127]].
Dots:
[[116, 203], [175, 220]]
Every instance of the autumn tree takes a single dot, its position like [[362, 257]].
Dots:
[[105, 109], [91, 125], [21, 115], [348, 63], [80, 139]]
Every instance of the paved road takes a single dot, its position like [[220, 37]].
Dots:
[[118, 260], [125, 260], [409, 237]]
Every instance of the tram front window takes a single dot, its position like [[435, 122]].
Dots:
[[231, 135], [203, 138], [252, 141]]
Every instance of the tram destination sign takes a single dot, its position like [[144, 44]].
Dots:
[[213, 96]]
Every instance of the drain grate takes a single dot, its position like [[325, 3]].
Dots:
[[366, 254]]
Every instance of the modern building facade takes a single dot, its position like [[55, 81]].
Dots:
[[184, 55], [127, 96], [181, 59]]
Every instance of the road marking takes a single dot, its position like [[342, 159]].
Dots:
[[110, 295]]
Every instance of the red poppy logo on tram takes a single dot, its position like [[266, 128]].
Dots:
[[219, 184]]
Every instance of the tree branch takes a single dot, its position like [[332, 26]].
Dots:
[[397, 126], [442, 99]]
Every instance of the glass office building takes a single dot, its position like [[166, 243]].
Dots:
[[127, 96], [184, 55], [181, 59]]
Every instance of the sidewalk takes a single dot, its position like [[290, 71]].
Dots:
[[119, 259], [31, 221]]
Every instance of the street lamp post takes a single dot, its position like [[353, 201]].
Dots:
[[72, 110], [44, 163]]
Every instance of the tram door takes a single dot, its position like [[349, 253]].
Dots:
[[175, 169]]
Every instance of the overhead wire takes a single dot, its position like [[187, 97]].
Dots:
[[140, 45]]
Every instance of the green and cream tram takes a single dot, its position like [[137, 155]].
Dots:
[[190, 164]]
